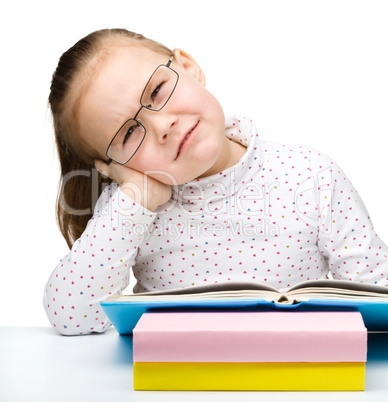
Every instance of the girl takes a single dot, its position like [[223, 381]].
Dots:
[[185, 196]]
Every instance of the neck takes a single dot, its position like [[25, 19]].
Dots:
[[231, 153]]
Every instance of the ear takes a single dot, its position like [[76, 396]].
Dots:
[[190, 65]]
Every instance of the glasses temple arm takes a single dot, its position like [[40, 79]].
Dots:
[[170, 60]]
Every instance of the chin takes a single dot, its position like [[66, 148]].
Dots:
[[208, 161]]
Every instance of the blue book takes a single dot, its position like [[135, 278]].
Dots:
[[371, 301]]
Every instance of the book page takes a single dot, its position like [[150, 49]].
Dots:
[[215, 287], [219, 295], [332, 287], [326, 288]]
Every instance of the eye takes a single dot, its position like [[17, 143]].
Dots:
[[128, 133], [156, 91]]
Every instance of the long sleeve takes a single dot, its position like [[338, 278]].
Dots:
[[346, 236], [97, 265]]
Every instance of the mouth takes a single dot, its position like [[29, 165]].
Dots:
[[185, 138]]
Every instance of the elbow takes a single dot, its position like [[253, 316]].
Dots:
[[70, 323]]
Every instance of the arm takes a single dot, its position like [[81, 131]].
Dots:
[[346, 236], [97, 265]]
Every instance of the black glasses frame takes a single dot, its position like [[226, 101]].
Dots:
[[142, 106]]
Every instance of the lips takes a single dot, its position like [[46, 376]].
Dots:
[[185, 138]]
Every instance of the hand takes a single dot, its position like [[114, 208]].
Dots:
[[142, 188]]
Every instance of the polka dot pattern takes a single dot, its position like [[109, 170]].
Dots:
[[282, 215]]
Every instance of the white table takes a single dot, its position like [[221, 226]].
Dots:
[[38, 365]]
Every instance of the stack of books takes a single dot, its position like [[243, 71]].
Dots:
[[277, 351]]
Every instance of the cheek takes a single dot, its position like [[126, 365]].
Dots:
[[156, 167], [196, 99], [157, 172], [146, 158], [189, 95]]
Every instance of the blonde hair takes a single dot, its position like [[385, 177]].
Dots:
[[75, 201]]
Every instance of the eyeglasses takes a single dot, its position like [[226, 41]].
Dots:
[[155, 95]]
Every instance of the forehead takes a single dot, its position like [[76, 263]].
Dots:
[[127, 63], [112, 94]]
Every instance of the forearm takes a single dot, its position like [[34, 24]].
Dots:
[[97, 266]]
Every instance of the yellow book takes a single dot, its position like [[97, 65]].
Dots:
[[249, 376]]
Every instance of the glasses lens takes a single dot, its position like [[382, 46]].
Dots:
[[159, 88], [126, 141]]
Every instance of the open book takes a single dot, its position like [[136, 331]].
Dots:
[[324, 288], [371, 300]]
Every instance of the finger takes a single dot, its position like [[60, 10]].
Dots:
[[101, 167]]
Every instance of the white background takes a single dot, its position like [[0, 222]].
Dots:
[[309, 72]]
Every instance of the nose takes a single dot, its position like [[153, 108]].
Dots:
[[162, 124]]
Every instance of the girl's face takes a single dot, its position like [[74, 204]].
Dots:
[[113, 96]]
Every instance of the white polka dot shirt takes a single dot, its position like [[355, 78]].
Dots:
[[282, 215]]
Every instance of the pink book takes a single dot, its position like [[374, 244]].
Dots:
[[250, 337]]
